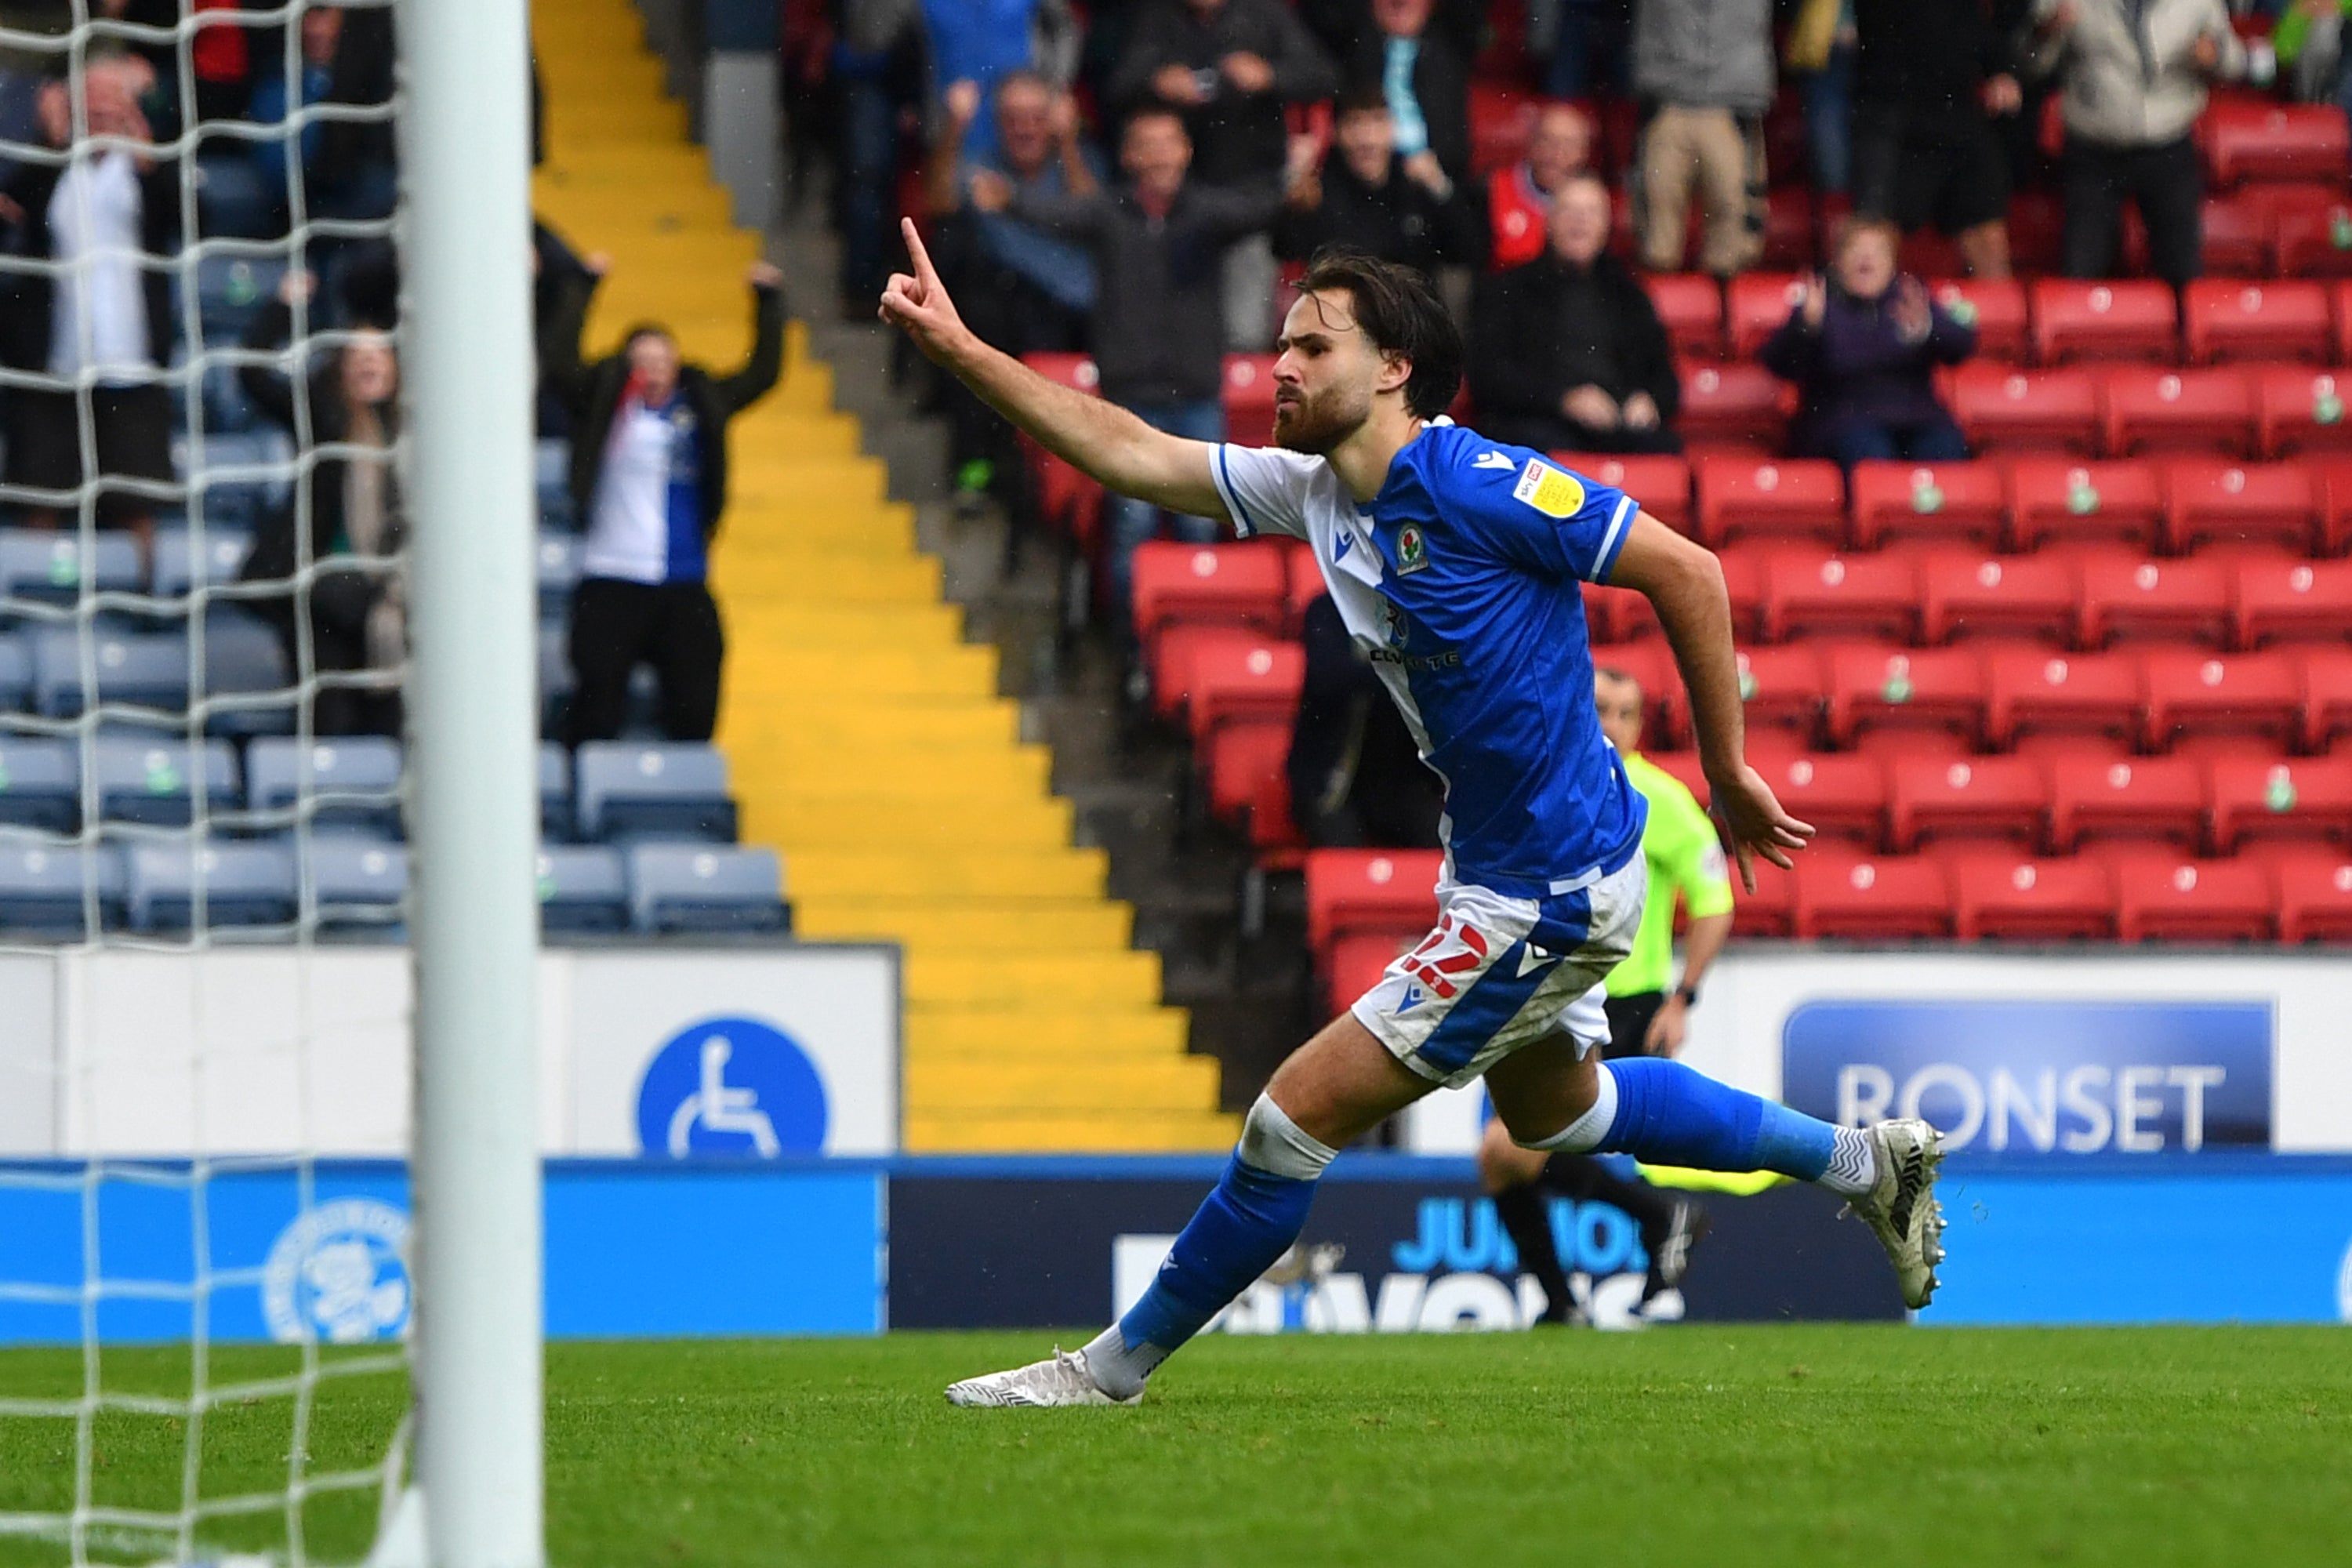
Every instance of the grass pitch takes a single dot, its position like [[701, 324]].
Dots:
[[1753, 1446]]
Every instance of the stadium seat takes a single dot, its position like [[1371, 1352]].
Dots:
[[1302, 585], [1994, 306], [1964, 596], [1932, 798], [2327, 697], [2037, 224], [150, 781], [2077, 502], [246, 679], [2301, 799], [1733, 405], [2232, 694], [1843, 795], [2108, 321], [231, 290], [2175, 601], [1380, 891], [40, 782], [1929, 252], [2210, 500], [1661, 484], [352, 781], [2229, 319], [1241, 584], [2235, 240], [1905, 690], [2314, 899], [1274, 836], [54, 567], [2339, 311], [1248, 398], [242, 884], [2000, 896], [1811, 592], [1743, 583], [676, 887], [2169, 898], [2291, 601], [1771, 910], [1788, 227], [2144, 409], [2259, 140], [355, 884], [1239, 758], [554, 791], [1355, 963], [583, 890], [44, 889], [1770, 499], [1870, 899], [1065, 498], [628, 789], [2160, 798], [1933, 501], [2331, 475], [2300, 410], [1783, 688], [15, 673], [1756, 305], [1178, 656], [559, 572], [2003, 409], [2029, 692], [2313, 238], [1233, 681], [145, 671], [181, 567], [1690, 304]]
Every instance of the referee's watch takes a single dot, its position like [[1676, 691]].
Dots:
[[1686, 995]]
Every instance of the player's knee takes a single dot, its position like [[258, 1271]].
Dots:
[[1273, 1143]]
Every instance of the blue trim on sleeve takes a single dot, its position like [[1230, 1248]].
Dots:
[[1242, 525], [1611, 543]]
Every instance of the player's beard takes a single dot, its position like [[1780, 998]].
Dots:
[[1315, 424]]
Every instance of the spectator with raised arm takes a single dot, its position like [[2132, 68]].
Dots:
[[1929, 78], [649, 482], [1426, 79], [1518, 197], [1364, 196], [1706, 65]]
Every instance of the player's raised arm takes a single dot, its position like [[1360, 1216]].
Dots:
[[1684, 582], [1100, 437]]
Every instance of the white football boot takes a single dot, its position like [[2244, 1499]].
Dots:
[[1901, 1208], [1061, 1381]]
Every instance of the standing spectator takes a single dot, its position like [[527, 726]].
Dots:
[[1707, 67], [981, 41], [1367, 198], [2311, 56], [1228, 66], [1863, 347], [1518, 199], [107, 219], [1426, 79], [356, 609], [1567, 354], [1158, 336], [649, 477], [1582, 43], [1929, 76], [2132, 79], [1357, 780], [1819, 57], [878, 69]]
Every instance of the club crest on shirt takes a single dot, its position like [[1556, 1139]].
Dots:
[[1412, 550], [1548, 490]]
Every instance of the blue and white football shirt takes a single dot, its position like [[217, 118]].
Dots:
[[1461, 577]]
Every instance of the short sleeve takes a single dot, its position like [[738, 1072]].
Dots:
[[1548, 519], [1264, 489]]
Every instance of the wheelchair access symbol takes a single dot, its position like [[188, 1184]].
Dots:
[[731, 1086]]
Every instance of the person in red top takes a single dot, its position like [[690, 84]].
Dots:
[[1519, 198]]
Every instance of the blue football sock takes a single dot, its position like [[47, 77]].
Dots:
[[1668, 1114]]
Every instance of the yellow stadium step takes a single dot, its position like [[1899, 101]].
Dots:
[[833, 725], [1062, 873], [1121, 1132], [1071, 925], [1035, 823], [934, 1090], [866, 777], [946, 1036], [995, 982]]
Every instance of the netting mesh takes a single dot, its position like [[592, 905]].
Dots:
[[202, 642]]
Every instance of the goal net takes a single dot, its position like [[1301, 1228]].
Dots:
[[217, 648]]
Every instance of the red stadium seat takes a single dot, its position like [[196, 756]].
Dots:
[[2291, 601], [1808, 591], [2119, 320], [2231, 319], [1690, 304], [1066, 499], [2190, 693], [2210, 500], [1249, 399], [1175, 655], [2187, 600], [1684, 768], [1234, 682], [2313, 238], [1796, 499], [1969, 596], [2339, 312], [1275, 842], [1871, 899], [1302, 585], [1929, 253], [1734, 405], [2305, 799], [2236, 239], [2256, 141], [2037, 225], [1788, 228], [1354, 891], [2299, 410], [2050, 497], [1756, 305], [1502, 123], [1241, 757], [2007, 410], [1355, 964], [1241, 585], [1660, 485], [2333, 476], [1782, 689], [1772, 909], [1995, 307], [1076, 371], [2000, 895], [1933, 798], [1651, 665], [2149, 410], [2029, 692], [2315, 900], [1905, 688], [2172, 898], [1926, 500], [1843, 796], [2327, 697], [2160, 798], [1743, 581]]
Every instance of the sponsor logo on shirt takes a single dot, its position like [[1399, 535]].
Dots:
[[1548, 490]]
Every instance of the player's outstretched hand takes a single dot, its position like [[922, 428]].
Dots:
[[919, 305], [1756, 822]]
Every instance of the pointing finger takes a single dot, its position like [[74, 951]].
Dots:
[[925, 273]]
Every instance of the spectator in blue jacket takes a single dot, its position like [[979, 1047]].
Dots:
[[1862, 347]]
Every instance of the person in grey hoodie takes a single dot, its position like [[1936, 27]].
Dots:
[[2132, 78], [1706, 68]]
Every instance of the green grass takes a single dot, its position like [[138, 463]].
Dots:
[[1808, 1446]]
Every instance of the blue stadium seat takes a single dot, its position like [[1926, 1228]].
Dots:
[[231, 290], [43, 891], [245, 884], [233, 197], [244, 659], [582, 889], [354, 781], [150, 781], [144, 670], [554, 791], [180, 567], [357, 883], [54, 568], [40, 782], [706, 888], [559, 572], [15, 673], [241, 474], [663, 790]]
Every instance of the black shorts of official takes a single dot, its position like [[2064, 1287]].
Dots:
[[131, 427], [1629, 1022], [1956, 178]]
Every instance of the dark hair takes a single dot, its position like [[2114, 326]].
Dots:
[[1366, 99], [1401, 315], [1021, 76]]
